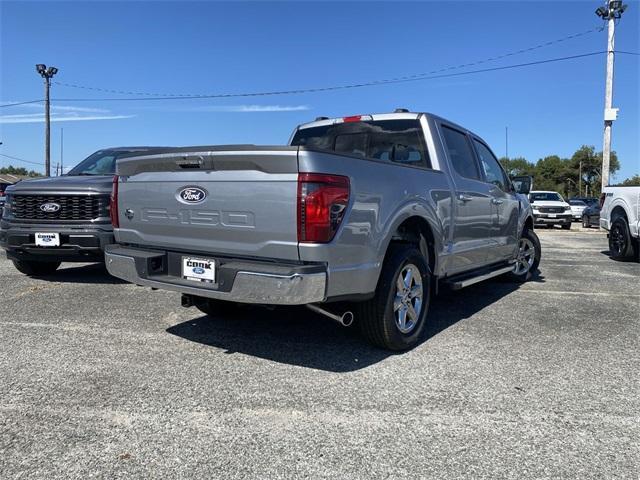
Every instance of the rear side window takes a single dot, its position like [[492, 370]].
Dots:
[[460, 153], [399, 141]]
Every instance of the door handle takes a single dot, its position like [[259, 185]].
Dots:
[[464, 198], [497, 201]]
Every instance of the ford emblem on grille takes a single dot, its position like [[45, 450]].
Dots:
[[192, 195], [50, 207]]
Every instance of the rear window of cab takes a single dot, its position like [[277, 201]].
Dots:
[[398, 141]]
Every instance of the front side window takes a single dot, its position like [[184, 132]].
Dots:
[[460, 153], [492, 170], [399, 141]]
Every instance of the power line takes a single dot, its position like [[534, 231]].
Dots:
[[412, 78], [19, 159], [20, 103], [409, 77], [320, 89]]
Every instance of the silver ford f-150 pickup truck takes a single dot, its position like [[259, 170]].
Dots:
[[369, 211]]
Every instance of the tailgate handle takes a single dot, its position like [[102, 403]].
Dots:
[[196, 163]]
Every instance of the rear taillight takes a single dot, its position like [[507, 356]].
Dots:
[[602, 197], [113, 203], [322, 201]]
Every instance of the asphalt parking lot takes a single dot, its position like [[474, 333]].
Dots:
[[102, 379]]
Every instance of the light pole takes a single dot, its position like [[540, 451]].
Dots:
[[47, 74], [572, 181], [611, 12]]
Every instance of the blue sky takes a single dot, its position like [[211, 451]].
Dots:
[[235, 47]]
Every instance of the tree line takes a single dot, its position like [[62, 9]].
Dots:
[[577, 176], [11, 170]]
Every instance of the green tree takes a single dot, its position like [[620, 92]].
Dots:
[[591, 162], [11, 170], [517, 166], [551, 173], [631, 181]]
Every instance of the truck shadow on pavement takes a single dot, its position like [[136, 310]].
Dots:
[[297, 336], [95, 274]]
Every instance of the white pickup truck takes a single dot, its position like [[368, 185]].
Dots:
[[620, 215]]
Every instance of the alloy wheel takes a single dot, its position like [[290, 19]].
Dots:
[[526, 257], [408, 300], [617, 240]]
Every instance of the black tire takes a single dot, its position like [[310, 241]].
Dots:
[[36, 269], [522, 275], [214, 308], [585, 222], [566, 226], [620, 241], [377, 317]]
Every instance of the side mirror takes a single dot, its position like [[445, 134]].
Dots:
[[523, 184]]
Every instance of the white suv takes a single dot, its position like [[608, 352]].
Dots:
[[549, 208]]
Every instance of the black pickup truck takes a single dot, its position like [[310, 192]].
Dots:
[[47, 221]]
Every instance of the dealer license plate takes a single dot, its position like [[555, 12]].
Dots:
[[552, 215], [199, 269], [46, 239]]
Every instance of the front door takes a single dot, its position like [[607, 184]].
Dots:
[[504, 204]]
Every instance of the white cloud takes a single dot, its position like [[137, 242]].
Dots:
[[61, 113], [252, 108], [66, 108], [39, 118]]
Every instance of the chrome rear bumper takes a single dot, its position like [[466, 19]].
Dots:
[[295, 288]]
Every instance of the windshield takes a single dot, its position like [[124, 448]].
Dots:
[[546, 197], [103, 162], [577, 203]]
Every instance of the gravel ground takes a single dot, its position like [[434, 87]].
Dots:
[[102, 379]]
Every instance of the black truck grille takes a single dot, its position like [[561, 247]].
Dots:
[[551, 209], [60, 207]]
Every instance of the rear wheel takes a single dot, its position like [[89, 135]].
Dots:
[[528, 257], [395, 318], [620, 242], [36, 269]]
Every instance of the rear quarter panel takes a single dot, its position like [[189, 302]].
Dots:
[[382, 196], [627, 198]]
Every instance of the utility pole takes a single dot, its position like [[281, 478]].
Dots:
[[61, 149], [506, 142], [580, 180], [47, 74], [611, 12]]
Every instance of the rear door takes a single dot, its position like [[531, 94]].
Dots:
[[472, 236], [505, 206], [237, 203]]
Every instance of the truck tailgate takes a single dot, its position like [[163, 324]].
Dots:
[[236, 202]]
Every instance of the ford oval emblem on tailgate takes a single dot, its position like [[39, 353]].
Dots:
[[192, 195], [50, 207]]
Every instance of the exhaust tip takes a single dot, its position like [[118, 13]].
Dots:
[[347, 319]]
